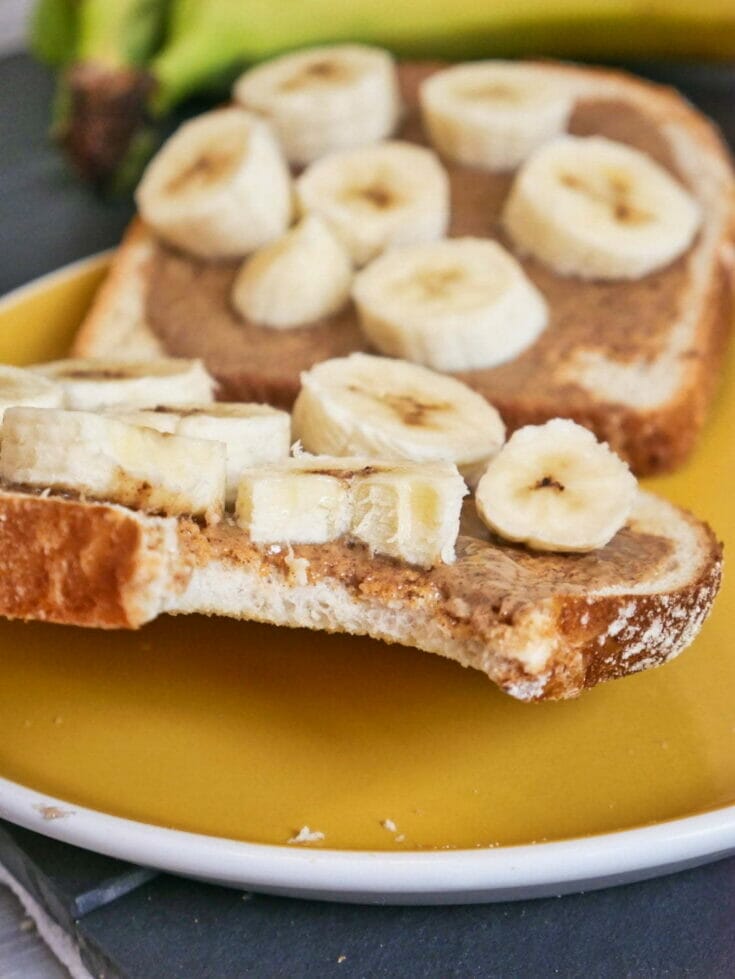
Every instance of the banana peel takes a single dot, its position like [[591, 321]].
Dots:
[[127, 63]]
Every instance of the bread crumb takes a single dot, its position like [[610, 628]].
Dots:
[[299, 567], [400, 838], [306, 835], [389, 825], [341, 959]]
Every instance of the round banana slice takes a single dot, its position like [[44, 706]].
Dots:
[[325, 99], [454, 305], [298, 279], [493, 114], [20, 387], [391, 194], [554, 487], [107, 459], [253, 434], [365, 405], [598, 209], [219, 187], [91, 384]]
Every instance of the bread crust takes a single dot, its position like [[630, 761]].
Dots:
[[86, 564], [95, 564], [652, 439]]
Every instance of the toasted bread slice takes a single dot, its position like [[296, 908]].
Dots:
[[541, 626], [635, 361]]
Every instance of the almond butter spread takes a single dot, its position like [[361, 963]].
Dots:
[[491, 580], [188, 305]]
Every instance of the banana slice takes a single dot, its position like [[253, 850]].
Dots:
[[409, 511], [325, 99], [453, 305], [391, 194], [91, 384], [107, 459], [253, 434], [375, 406], [599, 209], [298, 279], [219, 187], [554, 487], [298, 501], [20, 387], [493, 114]]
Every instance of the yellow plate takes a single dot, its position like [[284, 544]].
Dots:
[[249, 732]]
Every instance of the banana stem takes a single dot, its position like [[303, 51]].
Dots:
[[107, 110]]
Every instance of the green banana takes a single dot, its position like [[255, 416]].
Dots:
[[134, 60], [207, 40], [101, 48]]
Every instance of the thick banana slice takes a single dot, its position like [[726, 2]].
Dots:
[[391, 194], [325, 99], [390, 409], [554, 487], [219, 187], [107, 459], [298, 279], [493, 114], [92, 384], [298, 501], [253, 434], [409, 511], [454, 305], [20, 387], [599, 209]]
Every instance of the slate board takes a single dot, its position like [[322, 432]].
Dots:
[[134, 924]]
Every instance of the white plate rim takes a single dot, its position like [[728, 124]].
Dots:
[[407, 876]]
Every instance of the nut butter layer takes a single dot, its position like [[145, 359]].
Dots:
[[541, 626], [626, 323]]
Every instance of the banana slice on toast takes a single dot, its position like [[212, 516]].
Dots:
[[325, 99], [253, 434], [391, 409], [393, 193], [598, 209], [91, 383], [409, 511], [554, 487], [219, 187], [453, 305], [107, 459], [494, 114], [298, 279]]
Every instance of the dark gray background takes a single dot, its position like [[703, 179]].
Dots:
[[140, 926]]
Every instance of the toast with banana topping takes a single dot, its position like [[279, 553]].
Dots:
[[557, 574], [558, 238]]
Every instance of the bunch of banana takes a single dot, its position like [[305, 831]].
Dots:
[[126, 61]]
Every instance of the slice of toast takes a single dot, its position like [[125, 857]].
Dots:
[[635, 361], [541, 626]]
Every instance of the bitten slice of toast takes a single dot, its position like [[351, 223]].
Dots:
[[635, 361], [541, 626]]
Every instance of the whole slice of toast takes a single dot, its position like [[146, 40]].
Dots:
[[635, 361], [541, 626]]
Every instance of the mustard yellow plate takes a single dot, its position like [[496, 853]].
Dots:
[[203, 746]]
